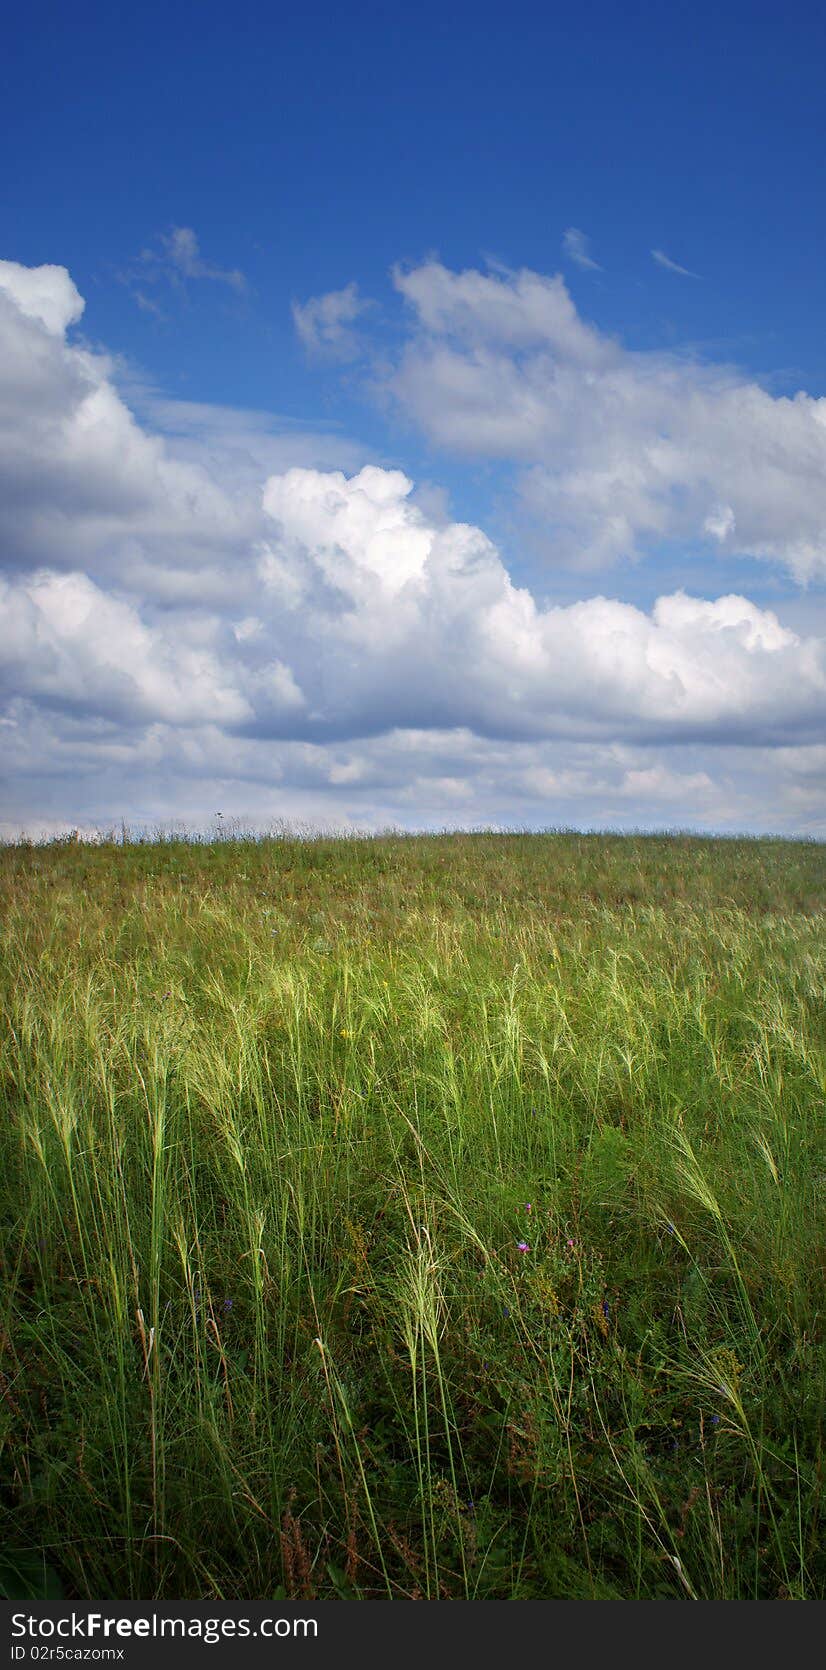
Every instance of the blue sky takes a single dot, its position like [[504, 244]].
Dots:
[[329, 240]]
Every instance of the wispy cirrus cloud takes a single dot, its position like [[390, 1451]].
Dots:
[[325, 323], [183, 255], [174, 260], [670, 266], [577, 247]]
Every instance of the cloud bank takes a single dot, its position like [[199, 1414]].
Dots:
[[179, 632]]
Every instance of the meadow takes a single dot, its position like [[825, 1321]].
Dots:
[[434, 1217]]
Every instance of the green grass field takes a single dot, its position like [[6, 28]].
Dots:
[[436, 1217]]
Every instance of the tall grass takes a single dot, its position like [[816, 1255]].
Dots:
[[431, 1218]]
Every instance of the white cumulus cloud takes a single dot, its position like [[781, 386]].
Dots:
[[616, 451], [43, 293], [204, 616], [65, 642]]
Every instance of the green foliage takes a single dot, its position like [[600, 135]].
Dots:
[[24, 1575], [435, 1217]]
